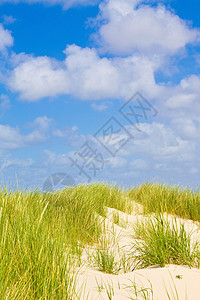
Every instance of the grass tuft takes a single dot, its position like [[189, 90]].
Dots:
[[159, 241]]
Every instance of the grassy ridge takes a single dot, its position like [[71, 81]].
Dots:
[[174, 200]]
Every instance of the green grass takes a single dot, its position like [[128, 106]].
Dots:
[[43, 235], [136, 291], [105, 261], [159, 241], [34, 261], [174, 200]]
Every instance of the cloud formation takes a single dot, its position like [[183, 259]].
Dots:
[[83, 74], [127, 29], [6, 39], [37, 78], [12, 138], [65, 3]]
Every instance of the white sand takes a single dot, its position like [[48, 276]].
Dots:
[[97, 285], [160, 278]]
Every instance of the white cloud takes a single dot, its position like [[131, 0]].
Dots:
[[41, 126], [7, 20], [70, 136], [16, 162], [194, 170], [99, 107], [90, 75], [38, 78], [11, 137], [190, 84], [185, 94], [86, 75], [83, 74], [53, 159], [181, 100], [127, 29], [41, 123], [6, 39], [70, 3], [65, 3], [186, 128], [159, 142], [139, 164], [162, 142], [4, 103], [116, 162]]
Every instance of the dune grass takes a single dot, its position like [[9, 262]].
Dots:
[[34, 260], [42, 235], [174, 200], [160, 241]]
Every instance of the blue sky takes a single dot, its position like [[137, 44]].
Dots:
[[74, 76]]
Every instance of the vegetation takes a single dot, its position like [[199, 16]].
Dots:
[[173, 200], [43, 235], [159, 241]]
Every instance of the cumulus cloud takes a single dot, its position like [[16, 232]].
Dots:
[[10, 138], [128, 28], [158, 142], [180, 100], [183, 99], [41, 123], [6, 39], [90, 75], [83, 74], [186, 128], [38, 78], [86, 75], [162, 142]]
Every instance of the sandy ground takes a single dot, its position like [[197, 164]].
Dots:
[[153, 282], [171, 278]]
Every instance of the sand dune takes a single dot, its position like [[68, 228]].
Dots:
[[180, 282]]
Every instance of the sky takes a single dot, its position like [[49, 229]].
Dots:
[[99, 91]]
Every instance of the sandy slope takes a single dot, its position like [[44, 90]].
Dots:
[[97, 285], [160, 278]]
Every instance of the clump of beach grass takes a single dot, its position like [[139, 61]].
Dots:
[[160, 241], [105, 261]]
